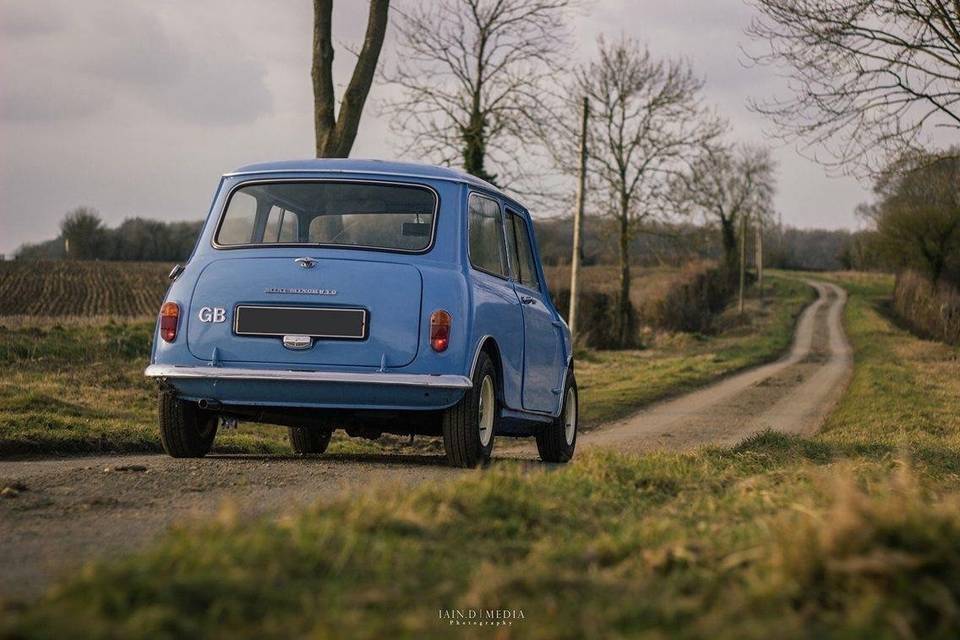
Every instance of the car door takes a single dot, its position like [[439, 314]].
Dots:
[[496, 307], [543, 341]]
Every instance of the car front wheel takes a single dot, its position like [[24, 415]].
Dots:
[[557, 441], [186, 431], [469, 425]]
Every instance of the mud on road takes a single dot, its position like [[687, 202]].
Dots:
[[71, 510]]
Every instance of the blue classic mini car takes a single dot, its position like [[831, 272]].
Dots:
[[374, 297]]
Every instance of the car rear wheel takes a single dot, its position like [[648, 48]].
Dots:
[[186, 431], [307, 440], [469, 426], [556, 442]]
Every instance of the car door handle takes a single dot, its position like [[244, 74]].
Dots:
[[528, 300]]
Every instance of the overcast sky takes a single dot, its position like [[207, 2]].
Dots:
[[136, 107]]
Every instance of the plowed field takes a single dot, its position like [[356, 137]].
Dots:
[[74, 288]]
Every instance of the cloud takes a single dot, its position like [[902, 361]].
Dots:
[[104, 51], [137, 106], [65, 99], [22, 20]]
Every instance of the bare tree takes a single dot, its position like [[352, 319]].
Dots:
[[647, 124], [726, 184], [870, 78], [336, 132], [472, 76]]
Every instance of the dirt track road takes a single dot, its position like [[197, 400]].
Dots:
[[792, 395], [81, 508]]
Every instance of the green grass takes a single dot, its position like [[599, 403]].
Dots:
[[613, 384], [852, 533], [78, 387]]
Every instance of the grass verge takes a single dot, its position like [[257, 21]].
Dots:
[[852, 533], [613, 384], [78, 387]]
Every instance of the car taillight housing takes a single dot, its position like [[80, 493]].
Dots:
[[440, 330], [169, 320]]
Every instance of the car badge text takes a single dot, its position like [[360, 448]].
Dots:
[[301, 291], [212, 314]]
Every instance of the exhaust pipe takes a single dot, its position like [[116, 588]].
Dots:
[[208, 404]]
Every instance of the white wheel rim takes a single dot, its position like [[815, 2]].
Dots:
[[570, 416], [487, 409]]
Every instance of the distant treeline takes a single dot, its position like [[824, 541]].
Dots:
[[83, 236], [679, 244]]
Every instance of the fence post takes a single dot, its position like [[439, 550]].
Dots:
[[578, 225], [743, 262], [760, 257]]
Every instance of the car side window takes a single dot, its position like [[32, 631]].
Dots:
[[281, 226], [521, 252], [486, 236], [239, 227]]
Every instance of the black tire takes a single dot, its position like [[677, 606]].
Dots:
[[307, 440], [186, 431], [552, 442], [461, 422]]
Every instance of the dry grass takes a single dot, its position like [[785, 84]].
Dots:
[[615, 383], [853, 533], [932, 310], [648, 284]]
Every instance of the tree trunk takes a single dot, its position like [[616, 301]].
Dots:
[[728, 232], [475, 147], [335, 134], [321, 72], [624, 317]]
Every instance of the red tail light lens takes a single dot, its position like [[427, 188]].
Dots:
[[440, 330], [169, 320]]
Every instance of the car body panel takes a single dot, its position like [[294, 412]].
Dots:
[[543, 357], [393, 320], [400, 290]]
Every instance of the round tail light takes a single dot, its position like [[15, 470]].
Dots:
[[440, 330], [169, 320]]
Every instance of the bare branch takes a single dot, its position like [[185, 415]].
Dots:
[[648, 123], [472, 75], [870, 79]]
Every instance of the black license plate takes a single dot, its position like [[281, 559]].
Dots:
[[349, 324]]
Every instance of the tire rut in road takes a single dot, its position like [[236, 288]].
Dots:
[[78, 509], [792, 395]]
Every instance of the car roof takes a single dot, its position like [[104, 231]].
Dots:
[[382, 167]]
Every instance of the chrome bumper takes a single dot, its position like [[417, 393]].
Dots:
[[437, 381]]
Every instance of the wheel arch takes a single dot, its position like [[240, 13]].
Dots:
[[488, 344]]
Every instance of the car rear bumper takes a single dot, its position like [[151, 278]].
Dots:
[[320, 389]]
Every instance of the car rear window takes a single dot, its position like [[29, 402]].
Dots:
[[349, 214]]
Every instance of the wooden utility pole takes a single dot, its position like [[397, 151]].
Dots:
[[760, 257], [578, 224], [743, 261]]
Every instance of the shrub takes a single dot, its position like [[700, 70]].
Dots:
[[931, 310], [597, 311], [691, 304], [686, 302]]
